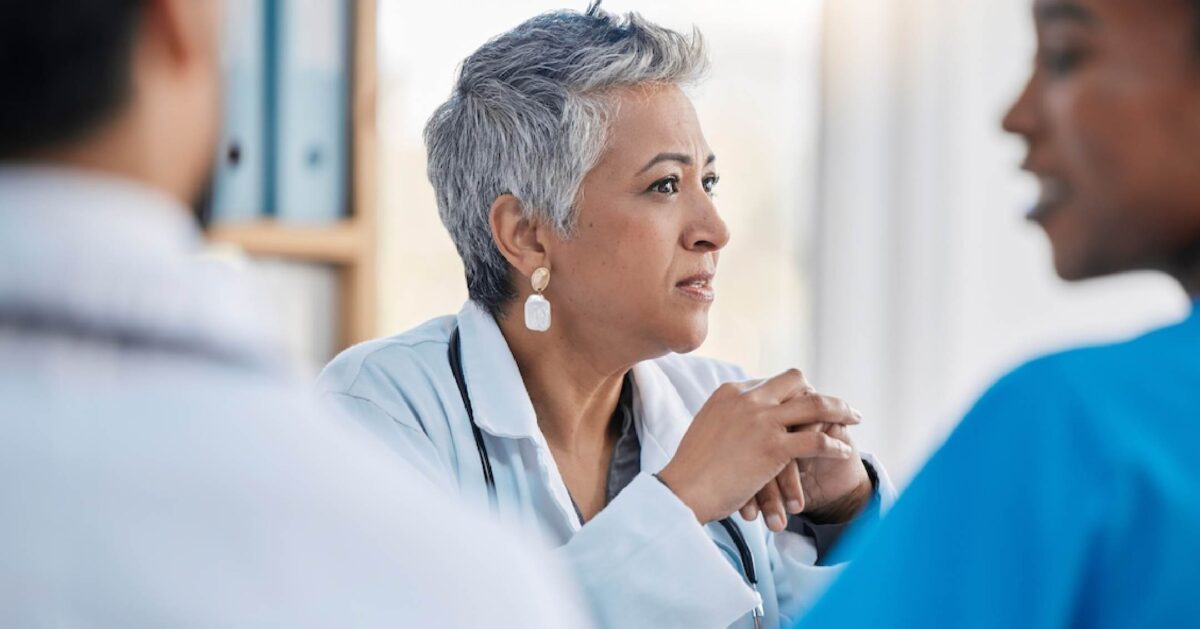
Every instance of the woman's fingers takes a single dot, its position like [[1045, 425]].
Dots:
[[785, 386], [749, 510], [770, 500], [814, 409], [815, 445], [791, 488]]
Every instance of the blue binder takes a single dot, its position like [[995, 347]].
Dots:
[[312, 39], [239, 187]]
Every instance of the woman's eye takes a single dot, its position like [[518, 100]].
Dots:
[[1060, 62], [710, 182], [669, 185]]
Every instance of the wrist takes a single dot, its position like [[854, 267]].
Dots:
[[681, 490]]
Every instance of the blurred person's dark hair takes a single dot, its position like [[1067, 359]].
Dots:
[[65, 66]]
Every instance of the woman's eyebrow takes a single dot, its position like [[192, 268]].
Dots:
[[1052, 11], [682, 158]]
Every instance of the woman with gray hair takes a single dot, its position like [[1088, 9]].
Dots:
[[575, 181]]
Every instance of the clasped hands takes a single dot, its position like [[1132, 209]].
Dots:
[[772, 446]]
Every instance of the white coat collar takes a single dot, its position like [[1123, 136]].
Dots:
[[664, 418], [501, 403]]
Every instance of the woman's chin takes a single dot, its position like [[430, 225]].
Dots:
[[688, 339]]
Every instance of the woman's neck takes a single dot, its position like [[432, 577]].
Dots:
[[574, 386]]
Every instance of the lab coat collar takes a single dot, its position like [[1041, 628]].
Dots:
[[96, 255], [664, 417], [500, 400], [501, 403]]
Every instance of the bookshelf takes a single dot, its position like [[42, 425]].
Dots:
[[348, 245]]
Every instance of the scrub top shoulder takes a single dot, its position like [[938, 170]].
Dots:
[[1068, 496]]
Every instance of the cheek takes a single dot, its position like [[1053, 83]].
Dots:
[[1090, 136], [1119, 139], [1120, 145], [618, 261]]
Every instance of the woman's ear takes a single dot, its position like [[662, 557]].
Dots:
[[521, 241]]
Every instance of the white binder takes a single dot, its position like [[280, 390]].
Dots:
[[239, 187], [312, 109]]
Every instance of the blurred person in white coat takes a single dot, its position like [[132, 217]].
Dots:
[[572, 174], [157, 468]]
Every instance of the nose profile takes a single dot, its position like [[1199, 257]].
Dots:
[[707, 232], [1021, 118]]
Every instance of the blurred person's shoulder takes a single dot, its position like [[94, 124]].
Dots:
[[194, 475], [1123, 403], [1157, 363]]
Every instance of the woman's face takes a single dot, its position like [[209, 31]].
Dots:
[[637, 273], [1111, 116]]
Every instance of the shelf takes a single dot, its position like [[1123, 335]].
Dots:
[[336, 243]]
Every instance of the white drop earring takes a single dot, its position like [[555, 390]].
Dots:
[[537, 307]]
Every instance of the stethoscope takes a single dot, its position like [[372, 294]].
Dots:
[[455, 355]]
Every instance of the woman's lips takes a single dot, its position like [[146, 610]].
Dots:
[[1055, 194], [698, 287]]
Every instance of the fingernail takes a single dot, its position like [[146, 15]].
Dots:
[[753, 513], [775, 522], [794, 506]]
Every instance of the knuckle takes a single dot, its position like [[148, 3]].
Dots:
[[825, 405], [778, 447], [814, 442]]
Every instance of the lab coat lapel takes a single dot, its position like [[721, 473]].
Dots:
[[662, 416], [501, 402], [663, 421]]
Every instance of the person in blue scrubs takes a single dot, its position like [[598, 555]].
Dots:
[[1070, 494]]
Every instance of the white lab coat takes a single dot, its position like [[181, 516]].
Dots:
[[158, 468], [644, 561]]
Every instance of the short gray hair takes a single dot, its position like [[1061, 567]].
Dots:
[[529, 117]]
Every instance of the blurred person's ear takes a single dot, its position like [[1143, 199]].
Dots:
[[521, 240], [179, 76], [186, 30]]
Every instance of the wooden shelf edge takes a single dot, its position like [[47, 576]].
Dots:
[[337, 243]]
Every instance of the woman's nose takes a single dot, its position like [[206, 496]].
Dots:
[[1021, 118], [707, 231]]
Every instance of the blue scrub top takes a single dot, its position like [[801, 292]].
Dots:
[[1069, 496]]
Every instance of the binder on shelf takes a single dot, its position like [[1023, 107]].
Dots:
[[311, 136], [239, 188]]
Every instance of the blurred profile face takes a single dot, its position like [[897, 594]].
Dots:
[[639, 267], [1111, 116]]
